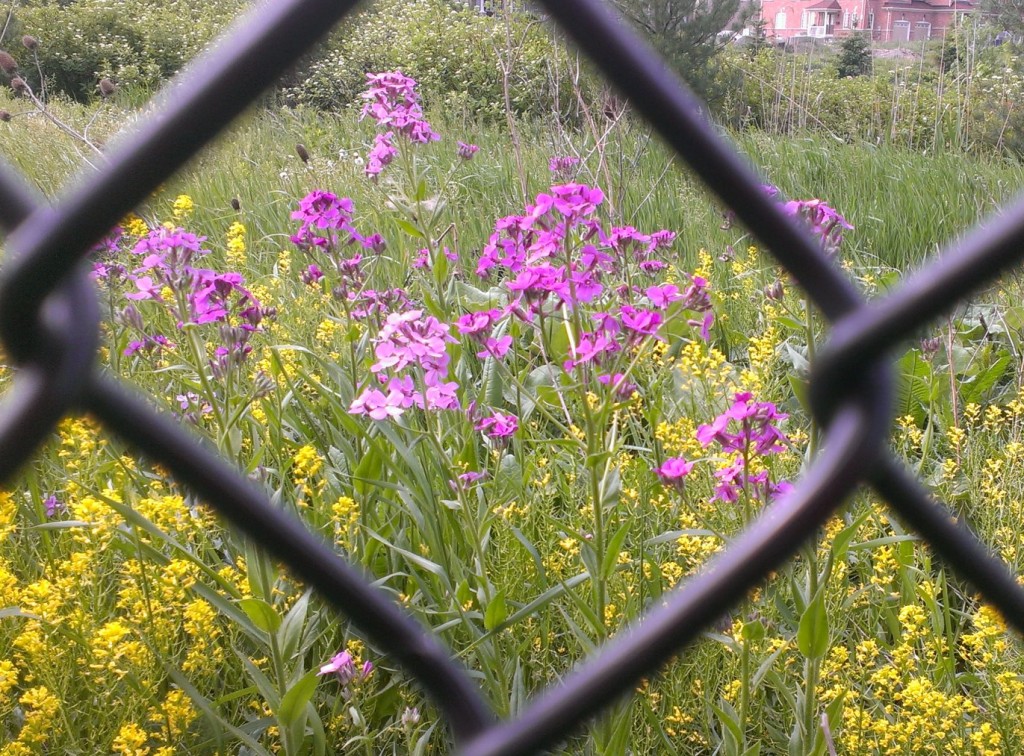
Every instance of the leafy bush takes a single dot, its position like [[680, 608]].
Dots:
[[854, 57], [134, 42], [457, 55]]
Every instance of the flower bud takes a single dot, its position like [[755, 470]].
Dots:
[[19, 86], [5, 116], [775, 291], [30, 42], [235, 204], [302, 152], [107, 87]]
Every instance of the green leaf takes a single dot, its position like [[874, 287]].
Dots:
[[812, 633], [368, 470], [409, 228], [293, 625], [496, 612], [732, 734], [913, 386], [611, 554], [294, 702], [753, 632], [262, 614]]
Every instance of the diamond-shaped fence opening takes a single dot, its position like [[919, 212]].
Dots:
[[49, 323]]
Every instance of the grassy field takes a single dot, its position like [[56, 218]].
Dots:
[[542, 466]]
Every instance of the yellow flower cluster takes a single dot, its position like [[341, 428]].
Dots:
[[182, 207], [8, 515], [306, 466], [133, 225], [345, 517], [236, 245]]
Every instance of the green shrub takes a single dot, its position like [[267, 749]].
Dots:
[[854, 57], [137, 43], [455, 54]]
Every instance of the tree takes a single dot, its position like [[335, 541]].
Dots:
[[1005, 15], [854, 57], [686, 32]]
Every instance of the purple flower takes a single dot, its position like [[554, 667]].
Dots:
[[476, 324], [342, 666], [757, 429], [498, 425], [496, 348], [377, 405], [392, 101], [381, 155], [467, 151], [673, 470], [52, 505], [562, 167], [663, 296], [639, 323], [321, 211], [623, 389], [311, 275]]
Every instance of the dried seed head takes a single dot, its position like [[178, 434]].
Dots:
[[7, 63], [302, 152], [235, 204], [30, 42], [19, 86], [4, 116], [107, 87]]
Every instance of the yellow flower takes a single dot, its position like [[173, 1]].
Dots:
[[182, 207], [133, 225], [130, 741], [8, 515], [236, 244]]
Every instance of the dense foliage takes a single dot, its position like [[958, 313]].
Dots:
[[134, 42]]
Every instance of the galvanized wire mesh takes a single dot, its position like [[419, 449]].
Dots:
[[49, 322]]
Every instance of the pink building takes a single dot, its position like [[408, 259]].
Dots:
[[886, 20]]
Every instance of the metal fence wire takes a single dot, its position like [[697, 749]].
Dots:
[[49, 323]]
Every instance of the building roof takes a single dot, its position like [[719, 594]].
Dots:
[[826, 5]]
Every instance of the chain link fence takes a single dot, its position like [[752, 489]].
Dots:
[[49, 323]]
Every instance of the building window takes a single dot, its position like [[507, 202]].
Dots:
[[871, 20], [846, 19], [780, 21]]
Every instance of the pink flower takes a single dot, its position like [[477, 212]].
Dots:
[[673, 470], [474, 324], [467, 151], [639, 322], [663, 296], [498, 425], [394, 103], [381, 155], [496, 348], [562, 167], [342, 665], [374, 403]]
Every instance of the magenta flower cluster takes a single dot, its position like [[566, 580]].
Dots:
[[392, 101], [479, 326], [194, 295], [411, 367], [749, 429], [326, 231], [824, 222], [557, 253]]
